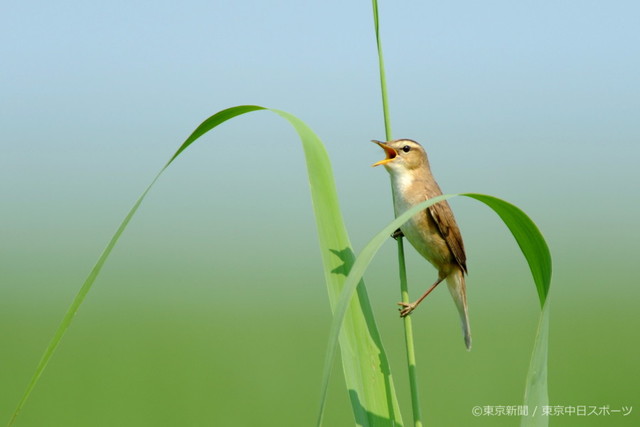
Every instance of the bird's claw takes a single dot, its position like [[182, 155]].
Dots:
[[408, 308], [397, 234]]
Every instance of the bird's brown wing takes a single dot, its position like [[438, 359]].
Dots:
[[443, 217]]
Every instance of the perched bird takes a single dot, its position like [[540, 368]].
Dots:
[[432, 232]]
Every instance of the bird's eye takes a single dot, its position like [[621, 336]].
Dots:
[[406, 148]]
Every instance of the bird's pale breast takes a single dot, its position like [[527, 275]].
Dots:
[[421, 230]]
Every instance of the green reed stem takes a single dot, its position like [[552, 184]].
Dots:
[[408, 339], [383, 78], [404, 287]]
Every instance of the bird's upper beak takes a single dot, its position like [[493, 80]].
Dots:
[[389, 151]]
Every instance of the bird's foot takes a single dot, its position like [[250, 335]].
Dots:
[[408, 308], [397, 234]]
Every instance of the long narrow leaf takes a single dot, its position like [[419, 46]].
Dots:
[[537, 253], [527, 235], [536, 393], [207, 125], [365, 366], [533, 246]]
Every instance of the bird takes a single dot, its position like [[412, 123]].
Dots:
[[433, 232]]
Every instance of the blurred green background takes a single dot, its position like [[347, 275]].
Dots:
[[212, 309]]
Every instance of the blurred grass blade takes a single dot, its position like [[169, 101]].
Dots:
[[527, 235], [365, 365], [536, 393]]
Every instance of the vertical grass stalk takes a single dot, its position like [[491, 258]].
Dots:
[[404, 287], [383, 77], [408, 339]]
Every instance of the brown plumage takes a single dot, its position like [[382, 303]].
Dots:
[[434, 232]]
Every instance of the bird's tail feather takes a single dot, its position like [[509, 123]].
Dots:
[[457, 287]]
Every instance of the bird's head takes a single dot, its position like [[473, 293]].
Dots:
[[403, 155]]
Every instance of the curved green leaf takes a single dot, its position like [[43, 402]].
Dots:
[[210, 123], [524, 230], [365, 366], [532, 244], [364, 362]]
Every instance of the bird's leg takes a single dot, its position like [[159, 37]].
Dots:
[[397, 234], [409, 307]]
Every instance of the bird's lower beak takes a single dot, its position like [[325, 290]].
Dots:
[[390, 152]]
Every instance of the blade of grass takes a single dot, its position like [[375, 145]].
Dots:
[[523, 229], [354, 277], [531, 242], [529, 238], [208, 124], [536, 393], [365, 365], [364, 362]]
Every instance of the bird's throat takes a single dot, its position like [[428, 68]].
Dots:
[[403, 184]]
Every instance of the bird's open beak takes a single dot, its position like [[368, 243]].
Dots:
[[390, 152]]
